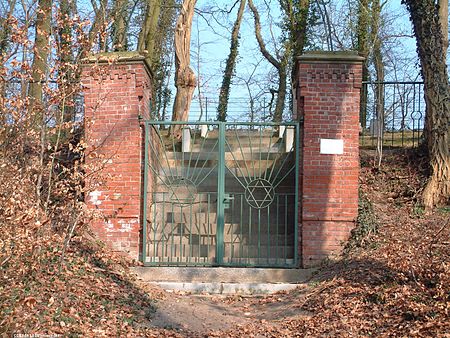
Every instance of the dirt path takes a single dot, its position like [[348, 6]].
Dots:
[[197, 315]]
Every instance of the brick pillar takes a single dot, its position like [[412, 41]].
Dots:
[[328, 96], [116, 93]]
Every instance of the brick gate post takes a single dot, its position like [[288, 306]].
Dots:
[[328, 96], [117, 93]]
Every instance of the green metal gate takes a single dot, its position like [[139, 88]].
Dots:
[[221, 194]]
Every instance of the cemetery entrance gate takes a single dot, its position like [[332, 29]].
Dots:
[[221, 194]]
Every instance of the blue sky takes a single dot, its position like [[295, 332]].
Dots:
[[210, 37]]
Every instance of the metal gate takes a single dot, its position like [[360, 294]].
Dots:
[[221, 194]]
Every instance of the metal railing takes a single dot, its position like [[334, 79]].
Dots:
[[392, 112]]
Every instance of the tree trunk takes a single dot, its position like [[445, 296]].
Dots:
[[443, 20], [362, 34], [5, 32], [297, 12], [379, 70], [120, 41], [430, 47], [147, 36], [281, 98], [41, 52], [230, 65], [185, 80]]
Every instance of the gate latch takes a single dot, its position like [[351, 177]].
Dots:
[[227, 198]]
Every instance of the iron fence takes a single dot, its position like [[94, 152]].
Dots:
[[393, 113]]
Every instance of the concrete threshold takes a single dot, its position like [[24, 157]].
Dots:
[[221, 280], [224, 275], [227, 288]]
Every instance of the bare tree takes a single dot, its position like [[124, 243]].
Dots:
[[280, 64], [230, 65], [97, 32]]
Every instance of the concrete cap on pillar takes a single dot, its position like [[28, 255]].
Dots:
[[327, 57], [118, 57]]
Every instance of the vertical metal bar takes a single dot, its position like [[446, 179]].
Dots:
[[251, 153], [208, 238], [259, 234], [297, 200], [155, 227], [277, 228], [182, 150], [221, 193], [180, 233], [374, 116], [163, 225], [240, 232], [268, 233], [285, 227], [420, 115], [260, 153], [231, 230], [414, 108], [199, 234], [406, 111], [190, 233], [383, 117], [144, 211], [393, 118], [361, 109], [365, 96], [171, 233], [249, 244]]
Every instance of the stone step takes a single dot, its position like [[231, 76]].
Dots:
[[226, 280], [231, 142], [212, 155]]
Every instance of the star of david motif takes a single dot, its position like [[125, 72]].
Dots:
[[259, 193], [183, 191]]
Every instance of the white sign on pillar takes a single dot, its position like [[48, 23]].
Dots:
[[331, 146]]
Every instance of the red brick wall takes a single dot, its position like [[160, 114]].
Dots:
[[328, 103], [116, 93]]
